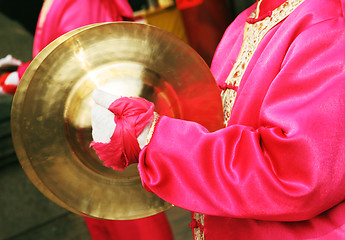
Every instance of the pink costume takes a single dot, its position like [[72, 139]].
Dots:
[[277, 171], [60, 16]]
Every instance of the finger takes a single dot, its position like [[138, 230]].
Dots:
[[103, 124], [103, 98]]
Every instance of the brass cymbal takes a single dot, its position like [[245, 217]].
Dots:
[[51, 111]]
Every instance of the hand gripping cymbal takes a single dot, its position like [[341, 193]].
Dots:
[[51, 112]]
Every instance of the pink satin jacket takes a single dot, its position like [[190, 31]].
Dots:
[[60, 16], [277, 171]]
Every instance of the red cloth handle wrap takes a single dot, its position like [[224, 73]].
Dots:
[[132, 114]]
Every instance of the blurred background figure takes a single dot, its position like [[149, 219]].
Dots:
[[205, 22], [58, 17], [200, 23]]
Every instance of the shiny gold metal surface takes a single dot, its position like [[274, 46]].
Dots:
[[51, 120]]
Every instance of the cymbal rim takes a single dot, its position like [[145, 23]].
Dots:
[[23, 122], [16, 116]]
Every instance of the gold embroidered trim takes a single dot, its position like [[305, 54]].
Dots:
[[153, 126], [253, 34], [198, 232], [257, 11]]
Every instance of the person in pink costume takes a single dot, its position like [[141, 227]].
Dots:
[[277, 168], [56, 18], [61, 16]]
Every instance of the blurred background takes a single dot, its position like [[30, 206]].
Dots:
[[25, 213]]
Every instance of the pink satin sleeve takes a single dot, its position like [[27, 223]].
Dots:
[[287, 166]]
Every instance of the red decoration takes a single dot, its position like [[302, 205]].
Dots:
[[184, 4]]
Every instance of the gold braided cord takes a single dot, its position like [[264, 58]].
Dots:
[[253, 34]]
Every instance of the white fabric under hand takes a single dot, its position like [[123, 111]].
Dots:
[[103, 98], [142, 138], [103, 125]]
